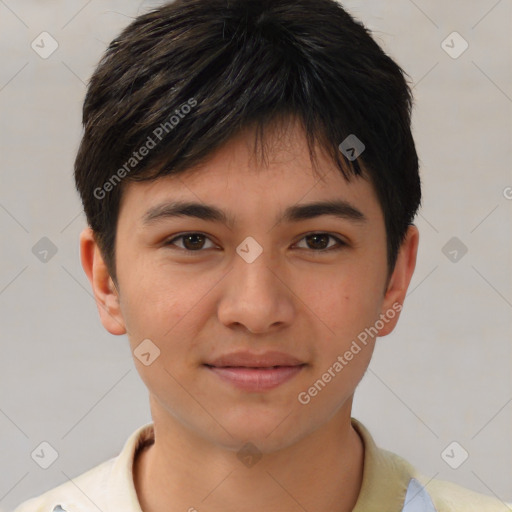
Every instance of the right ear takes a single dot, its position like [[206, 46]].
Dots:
[[105, 292]]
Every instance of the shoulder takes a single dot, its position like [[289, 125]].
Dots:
[[389, 478], [81, 494], [449, 497], [108, 486]]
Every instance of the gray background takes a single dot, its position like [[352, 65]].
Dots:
[[445, 373]]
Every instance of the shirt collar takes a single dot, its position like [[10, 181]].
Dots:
[[121, 493], [386, 477]]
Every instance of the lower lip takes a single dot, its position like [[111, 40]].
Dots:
[[256, 379]]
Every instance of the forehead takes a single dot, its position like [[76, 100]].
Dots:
[[236, 179]]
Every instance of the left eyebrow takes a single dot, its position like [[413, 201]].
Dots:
[[336, 208]]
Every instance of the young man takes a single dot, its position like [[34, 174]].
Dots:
[[252, 285]]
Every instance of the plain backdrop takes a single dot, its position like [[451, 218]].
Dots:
[[443, 375]]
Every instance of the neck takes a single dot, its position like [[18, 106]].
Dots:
[[321, 472]]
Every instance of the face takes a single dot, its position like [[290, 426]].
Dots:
[[273, 284]]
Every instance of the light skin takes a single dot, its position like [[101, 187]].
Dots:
[[202, 303]]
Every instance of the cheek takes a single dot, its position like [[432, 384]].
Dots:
[[151, 308], [344, 301], [166, 306]]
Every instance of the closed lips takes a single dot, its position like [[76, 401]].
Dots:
[[253, 360]]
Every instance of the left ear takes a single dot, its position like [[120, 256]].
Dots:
[[399, 281]]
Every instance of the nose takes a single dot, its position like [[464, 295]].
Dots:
[[256, 296]]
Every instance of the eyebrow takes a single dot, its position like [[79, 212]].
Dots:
[[336, 208]]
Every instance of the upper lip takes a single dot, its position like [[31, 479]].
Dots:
[[253, 360]]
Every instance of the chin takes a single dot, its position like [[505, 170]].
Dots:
[[269, 431]]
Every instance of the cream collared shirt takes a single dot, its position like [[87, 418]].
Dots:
[[390, 484]]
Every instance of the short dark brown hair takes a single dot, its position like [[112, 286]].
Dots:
[[185, 78]]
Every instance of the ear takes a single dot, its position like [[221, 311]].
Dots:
[[399, 281], [105, 292]]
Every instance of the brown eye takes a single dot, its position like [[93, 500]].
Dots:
[[319, 242], [192, 242]]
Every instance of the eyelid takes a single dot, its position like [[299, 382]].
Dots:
[[340, 242], [168, 241]]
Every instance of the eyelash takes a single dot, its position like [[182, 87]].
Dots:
[[340, 243]]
